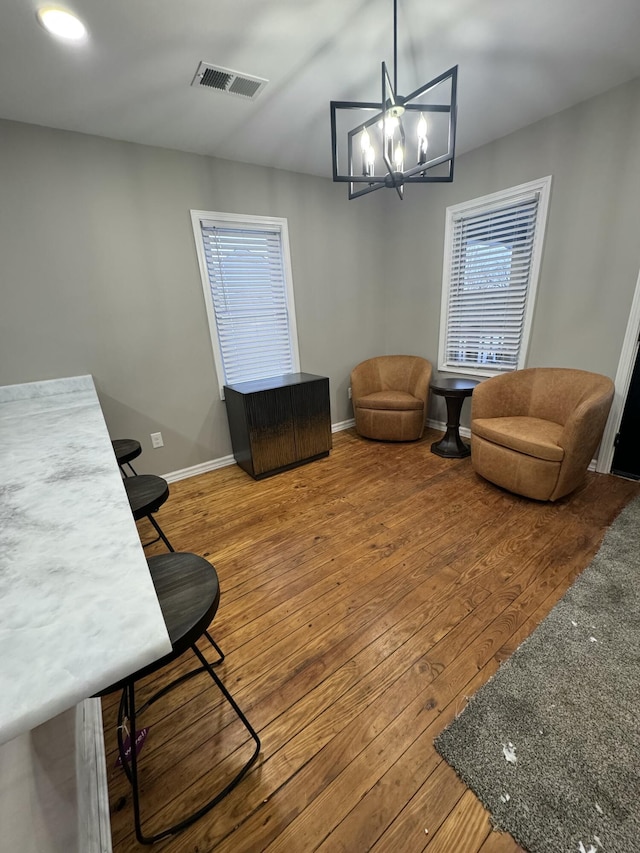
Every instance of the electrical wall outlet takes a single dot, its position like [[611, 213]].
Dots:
[[156, 439], [349, 391]]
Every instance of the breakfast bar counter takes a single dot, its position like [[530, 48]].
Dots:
[[78, 610]]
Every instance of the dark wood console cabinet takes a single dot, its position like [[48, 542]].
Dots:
[[278, 423]]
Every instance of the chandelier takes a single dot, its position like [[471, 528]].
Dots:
[[399, 140]]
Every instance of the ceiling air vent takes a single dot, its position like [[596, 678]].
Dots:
[[225, 80]]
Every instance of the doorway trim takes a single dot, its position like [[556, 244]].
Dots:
[[622, 382]]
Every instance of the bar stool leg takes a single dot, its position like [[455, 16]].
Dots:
[[182, 678], [206, 665], [134, 766], [161, 535], [131, 765], [123, 713], [216, 647]]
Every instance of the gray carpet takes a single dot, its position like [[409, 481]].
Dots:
[[568, 701]]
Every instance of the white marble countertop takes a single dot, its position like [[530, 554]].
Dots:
[[78, 610]]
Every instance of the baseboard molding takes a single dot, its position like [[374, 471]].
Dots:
[[202, 468], [340, 425], [225, 461], [465, 432]]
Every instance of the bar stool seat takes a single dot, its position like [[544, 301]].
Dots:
[[125, 450], [189, 593], [146, 494]]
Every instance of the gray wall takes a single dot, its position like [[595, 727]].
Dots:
[[98, 274], [592, 247]]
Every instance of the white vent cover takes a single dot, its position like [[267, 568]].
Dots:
[[225, 80]]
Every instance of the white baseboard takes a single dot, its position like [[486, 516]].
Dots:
[[202, 468], [224, 461], [340, 425], [465, 432]]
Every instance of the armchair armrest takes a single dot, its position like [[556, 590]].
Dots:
[[421, 380], [365, 379], [582, 433]]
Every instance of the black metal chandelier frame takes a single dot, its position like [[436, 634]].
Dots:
[[391, 108]]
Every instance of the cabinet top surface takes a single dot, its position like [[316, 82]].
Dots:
[[273, 382]]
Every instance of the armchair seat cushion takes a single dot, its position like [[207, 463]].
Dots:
[[533, 436], [398, 401]]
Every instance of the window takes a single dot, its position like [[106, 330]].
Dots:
[[492, 252], [246, 277]]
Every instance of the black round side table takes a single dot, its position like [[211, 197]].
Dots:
[[455, 391]]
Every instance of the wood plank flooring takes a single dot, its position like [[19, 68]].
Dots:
[[364, 598]]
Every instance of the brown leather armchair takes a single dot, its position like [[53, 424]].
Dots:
[[535, 431], [389, 395]]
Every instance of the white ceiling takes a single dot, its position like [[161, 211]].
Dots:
[[519, 60]]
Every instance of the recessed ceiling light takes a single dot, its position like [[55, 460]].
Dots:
[[61, 23]]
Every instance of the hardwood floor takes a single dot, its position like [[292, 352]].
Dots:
[[364, 597]]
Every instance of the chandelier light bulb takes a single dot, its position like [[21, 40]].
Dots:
[[398, 158], [423, 142], [368, 154], [389, 124]]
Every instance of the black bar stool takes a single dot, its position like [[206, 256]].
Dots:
[[147, 493], [126, 449], [189, 593]]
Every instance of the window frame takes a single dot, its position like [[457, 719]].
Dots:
[[249, 222], [494, 202]]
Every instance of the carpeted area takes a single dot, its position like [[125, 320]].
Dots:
[[551, 744]]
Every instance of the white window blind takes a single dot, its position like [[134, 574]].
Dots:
[[490, 272], [250, 300]]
